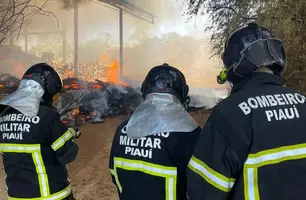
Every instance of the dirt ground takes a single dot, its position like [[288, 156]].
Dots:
[[89, 173]]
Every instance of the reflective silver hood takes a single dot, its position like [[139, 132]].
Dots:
[[159, 113], [26, 99]]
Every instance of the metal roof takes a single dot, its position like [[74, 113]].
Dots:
[[131, 9]]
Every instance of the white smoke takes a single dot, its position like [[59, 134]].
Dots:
[[199, 97], [206, 97], [99, 105]]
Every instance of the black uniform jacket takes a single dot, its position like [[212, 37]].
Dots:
[[35, 153], [153, 167], [253, 146]]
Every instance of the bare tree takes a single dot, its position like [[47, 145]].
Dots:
[[14, 14]]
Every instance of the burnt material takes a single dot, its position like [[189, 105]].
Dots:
[[93, 105], [8, 84], [76, 84], [87, 102]]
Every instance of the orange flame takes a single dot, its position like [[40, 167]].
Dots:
[[73, 85], [75, 112], [104, 69], [69, 73], [113, 73]]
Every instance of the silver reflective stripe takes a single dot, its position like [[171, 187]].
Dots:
[[275, 156], [251, 193], [57, 196], [146, 167], [62, 140], [171, 186], [19, 148], [211, 176], [114, 173], [169, 173], [42, 176], [60, 195], [267, 157], [34, 150]]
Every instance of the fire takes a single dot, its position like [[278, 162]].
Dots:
[[73, 83], [79, 116], [113, 73], [69, 73], [75, 112], [93, 75], [104, 69]]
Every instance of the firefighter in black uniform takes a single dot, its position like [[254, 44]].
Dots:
[[35, 144], [151, 150], [253, 145]]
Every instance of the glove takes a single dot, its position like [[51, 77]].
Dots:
[[76, 133]]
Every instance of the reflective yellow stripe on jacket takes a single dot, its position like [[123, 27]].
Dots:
[[211, 176], [169, 173], [34, 150], [57, 196], [267, 157], [61, 140], [114, 173]]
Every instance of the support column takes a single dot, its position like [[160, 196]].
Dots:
[[64, 37], [121, 40], [26, 40], [76, 38]]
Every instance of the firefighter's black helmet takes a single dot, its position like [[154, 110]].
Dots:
[[166, 79], [48, 78], [249, 48]]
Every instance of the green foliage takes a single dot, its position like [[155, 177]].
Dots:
[[225, 16], [286, 18]]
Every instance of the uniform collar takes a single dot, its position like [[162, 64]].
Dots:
[[257, 80]]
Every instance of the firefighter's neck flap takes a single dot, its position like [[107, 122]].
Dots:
[[26, 99], [159, 113]]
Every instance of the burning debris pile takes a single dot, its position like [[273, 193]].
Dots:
[[76, 84], [97, 101], [8, 84], [90, 100], [94, 95], [7, 80], [85, 101]]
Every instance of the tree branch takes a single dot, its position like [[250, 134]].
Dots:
[[16, 14]]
